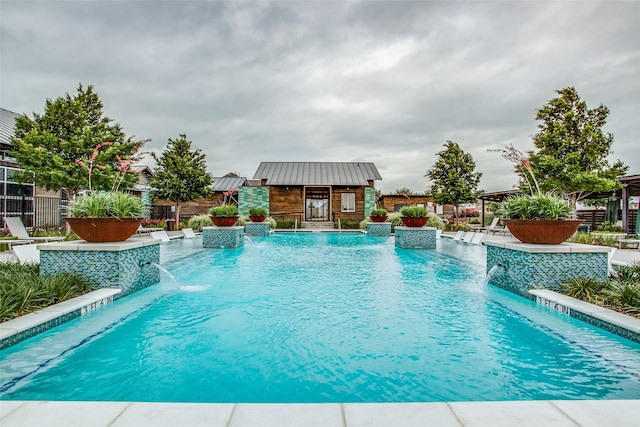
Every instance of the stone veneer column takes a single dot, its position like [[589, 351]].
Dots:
[[223, 237], [523, 266], [415, 237], [125, 265]]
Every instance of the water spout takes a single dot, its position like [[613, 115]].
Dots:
[[177, 285], [494, 271], [248, 239]]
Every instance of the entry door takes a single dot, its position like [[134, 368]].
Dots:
[[317, 204]]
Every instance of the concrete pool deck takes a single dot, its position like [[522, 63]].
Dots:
[[584, 413]]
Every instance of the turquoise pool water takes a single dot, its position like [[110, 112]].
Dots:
[[322, 318]]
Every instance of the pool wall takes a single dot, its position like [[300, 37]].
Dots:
[[415, 237], [222, 237], [123, 265], [521, 266]]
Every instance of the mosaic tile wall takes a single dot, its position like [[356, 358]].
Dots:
[[252, 197], [379, 228], [587, 318], [256, 228], [522, 271], [126, 269], [415, 237], [369, 200], [222, 237], [32, 332]]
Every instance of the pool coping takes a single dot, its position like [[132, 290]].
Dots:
[[582, 413], [21, 328]]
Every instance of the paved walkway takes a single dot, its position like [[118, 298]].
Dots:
[[584, 413]]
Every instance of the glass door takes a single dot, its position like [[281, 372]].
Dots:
[[317, 204]]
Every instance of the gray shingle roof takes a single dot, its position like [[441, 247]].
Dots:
[[7, 125], [317, 173], [225, 183]]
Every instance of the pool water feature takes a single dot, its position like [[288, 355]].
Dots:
[[314, 317]]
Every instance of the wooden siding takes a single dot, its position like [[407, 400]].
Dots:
[[336, 204], [286, 202]]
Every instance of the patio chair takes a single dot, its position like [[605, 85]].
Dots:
[[16, 228], [27, 254]]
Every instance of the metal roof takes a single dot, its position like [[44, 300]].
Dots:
[[225, 183], [7, 125], [317, 173]]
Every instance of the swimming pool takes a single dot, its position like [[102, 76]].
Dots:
[[322, 318]]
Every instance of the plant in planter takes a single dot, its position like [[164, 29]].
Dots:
[[378, 215], [258, 214], [224, 215], [414, 216], [111, 216], [541, 218]]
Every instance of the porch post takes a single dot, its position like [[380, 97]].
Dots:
[[625, 210]]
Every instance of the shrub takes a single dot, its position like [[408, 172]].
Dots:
[[24, 291], [378, 212], [272, 222], [413, 212], [349, 225], [609, 227], [538, 206], [587, 289], [258, 211], [285, 224], [112, 204], [224, 210], [198, 222], [435, 221]]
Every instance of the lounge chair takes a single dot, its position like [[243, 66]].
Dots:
[[468, 236], [458, 235], [147, 230], [27, 254], [16, 228], [188, 233], [160, 235], [11, 243], [477, 239], [438, 233]]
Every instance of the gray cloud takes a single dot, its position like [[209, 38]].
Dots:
[[381, 81]]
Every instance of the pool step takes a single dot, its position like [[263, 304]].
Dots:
[[317, 224]]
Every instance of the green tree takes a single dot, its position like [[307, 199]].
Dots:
[[573, 149], [50, 146], [453, 176], [180, 174], [404, 190]]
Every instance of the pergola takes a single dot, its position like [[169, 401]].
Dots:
[[631, 189]]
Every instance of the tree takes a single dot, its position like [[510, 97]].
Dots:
[[453, 177], [180, 174], [404, 190], [573, 149], [51, 146]]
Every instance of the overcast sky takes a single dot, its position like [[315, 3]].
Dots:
[[387, 82]]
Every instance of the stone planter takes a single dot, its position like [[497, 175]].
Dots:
[[410, 221], [541, 231], [104, 229], [257, 218], [224, 221], [379, 218]]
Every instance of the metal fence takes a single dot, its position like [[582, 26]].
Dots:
[[39, 212]]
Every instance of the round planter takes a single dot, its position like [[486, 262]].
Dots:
[[410, 221], [379, 218], [224, 221], [257, 218], [100, 230], [541, 231]]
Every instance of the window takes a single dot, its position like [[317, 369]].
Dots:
[[348, 202]]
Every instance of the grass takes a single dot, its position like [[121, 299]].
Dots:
[[22, 290]]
